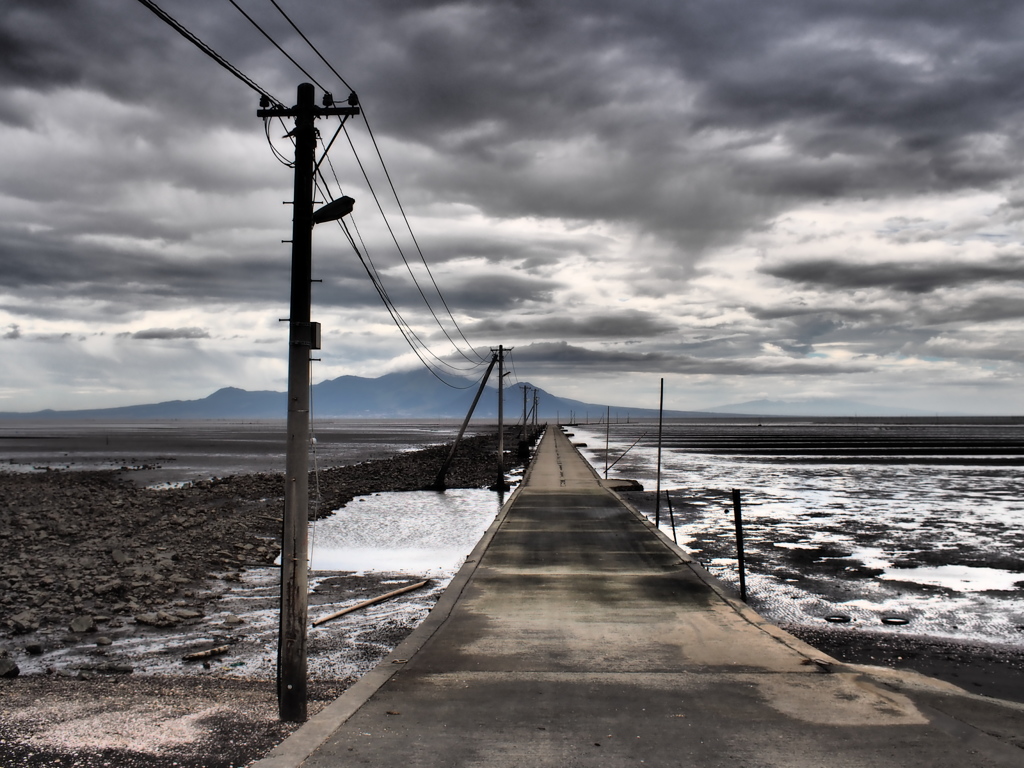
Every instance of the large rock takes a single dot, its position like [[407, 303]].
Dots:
[[157, 619], [119, 557], [23, 622], [8, 668], [81, 624]]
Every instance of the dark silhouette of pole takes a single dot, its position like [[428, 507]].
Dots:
[[500, 484], [525, 393], [607, 436], [738, 516], [291, 654], [657, 491], [439, 481]]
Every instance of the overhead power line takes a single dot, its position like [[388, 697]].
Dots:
[[269, 100], [313, 47], [275, 44], [408, 267], [192, 38], [394, 191]]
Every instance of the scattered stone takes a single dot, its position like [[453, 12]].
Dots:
[[34, 649], [119, 557], [104, 640], [157, 619], [24, 622], [8, 667], [233, 620], [82, 624]]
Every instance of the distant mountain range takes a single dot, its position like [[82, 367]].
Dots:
[[410, 395], [419, 395]]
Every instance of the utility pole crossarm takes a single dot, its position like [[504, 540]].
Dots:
[[315, 112]]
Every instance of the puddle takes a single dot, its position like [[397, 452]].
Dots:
[[412, 532], [960, 578]]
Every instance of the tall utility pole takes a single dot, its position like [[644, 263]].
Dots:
[[303, 336]]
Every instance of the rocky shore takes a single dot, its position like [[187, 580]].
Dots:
[[82, 552]]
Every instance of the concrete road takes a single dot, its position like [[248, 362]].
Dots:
[[577, 635]]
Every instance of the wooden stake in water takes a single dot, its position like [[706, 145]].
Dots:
[[607, 435], [738, 514], [671, 516], [657, 489]]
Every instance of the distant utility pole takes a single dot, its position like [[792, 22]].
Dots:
[[500, 484], [525, 391], [303, 337]]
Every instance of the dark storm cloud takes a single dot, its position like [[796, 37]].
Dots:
[[39, 264], [910, 277], [169, 334], [562, 355], [647, 143], [876, 99], [612, 325]]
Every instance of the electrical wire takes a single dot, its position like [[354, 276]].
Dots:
[[192, 38], [310, 44], [407, 330], [380, 284], [512, 362], [408, 266], [394, 191], [419, 250], [400, 322], [410, 335], [275, 44], [277, 153]]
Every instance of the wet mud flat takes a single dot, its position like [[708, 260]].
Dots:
[[867, 591], [106, 585]]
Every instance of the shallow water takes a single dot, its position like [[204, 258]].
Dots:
[[916, 522], [422, 532], [168, 452]]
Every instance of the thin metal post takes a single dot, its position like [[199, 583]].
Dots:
[[607, 434], [657, 490], [738, 514], [671, 516]]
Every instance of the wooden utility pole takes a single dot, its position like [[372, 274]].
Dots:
[[303, 336], [524, 412]]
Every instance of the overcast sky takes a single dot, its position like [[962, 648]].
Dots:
[[797, 198]]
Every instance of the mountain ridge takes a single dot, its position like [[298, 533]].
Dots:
[[419, 394]]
